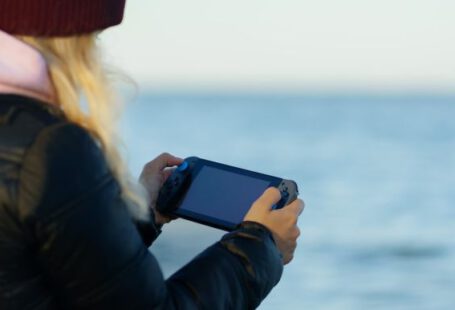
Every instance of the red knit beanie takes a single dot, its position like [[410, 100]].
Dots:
[[59, 17]]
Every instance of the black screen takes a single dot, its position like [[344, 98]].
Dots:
[[222, 195]]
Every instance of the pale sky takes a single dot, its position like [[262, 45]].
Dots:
[[287, 44]]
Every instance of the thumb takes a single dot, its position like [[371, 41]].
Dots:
[[296, 207], [270, 197]]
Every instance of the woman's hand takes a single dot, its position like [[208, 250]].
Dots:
[[282, 222], [153, 176]]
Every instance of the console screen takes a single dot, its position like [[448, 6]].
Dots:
[[222, 195]]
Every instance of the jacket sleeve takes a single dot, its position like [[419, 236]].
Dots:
[[148, 230], [94, 255]]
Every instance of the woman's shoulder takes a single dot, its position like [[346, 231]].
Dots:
[[23, 118], [50, 159], [45, 111], [29, 127]]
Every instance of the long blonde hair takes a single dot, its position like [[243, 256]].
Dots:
[[78, 76]]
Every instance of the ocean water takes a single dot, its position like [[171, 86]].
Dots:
[[377, 174]]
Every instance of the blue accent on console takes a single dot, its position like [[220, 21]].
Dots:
[[183, 166]]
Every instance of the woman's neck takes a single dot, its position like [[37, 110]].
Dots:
[[23, 70]]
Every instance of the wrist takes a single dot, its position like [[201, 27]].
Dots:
[[257, 226]]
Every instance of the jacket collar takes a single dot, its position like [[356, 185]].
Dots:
[[23, 70]]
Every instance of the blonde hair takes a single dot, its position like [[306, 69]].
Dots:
[[78, 75]]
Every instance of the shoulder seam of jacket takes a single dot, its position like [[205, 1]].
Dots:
[[43, 132]]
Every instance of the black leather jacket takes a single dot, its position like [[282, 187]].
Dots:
[[67, 240]]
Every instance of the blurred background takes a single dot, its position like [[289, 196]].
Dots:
[[353, 99]]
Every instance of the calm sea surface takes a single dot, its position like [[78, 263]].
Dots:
[[377, 175]]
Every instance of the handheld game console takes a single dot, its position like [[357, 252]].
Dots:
[[216, 194]]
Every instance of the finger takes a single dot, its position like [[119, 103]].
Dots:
[[167, 160], [288, 259], [297, 233], [296, 207], [270, 197], [162, 218], [167, 173], [166, 219]]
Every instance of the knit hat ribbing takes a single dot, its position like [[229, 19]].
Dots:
[[59, 17]]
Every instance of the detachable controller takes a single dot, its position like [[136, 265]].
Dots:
[[175, 186], [289, 192]]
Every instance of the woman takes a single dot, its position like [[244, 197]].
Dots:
[[74, 229]]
